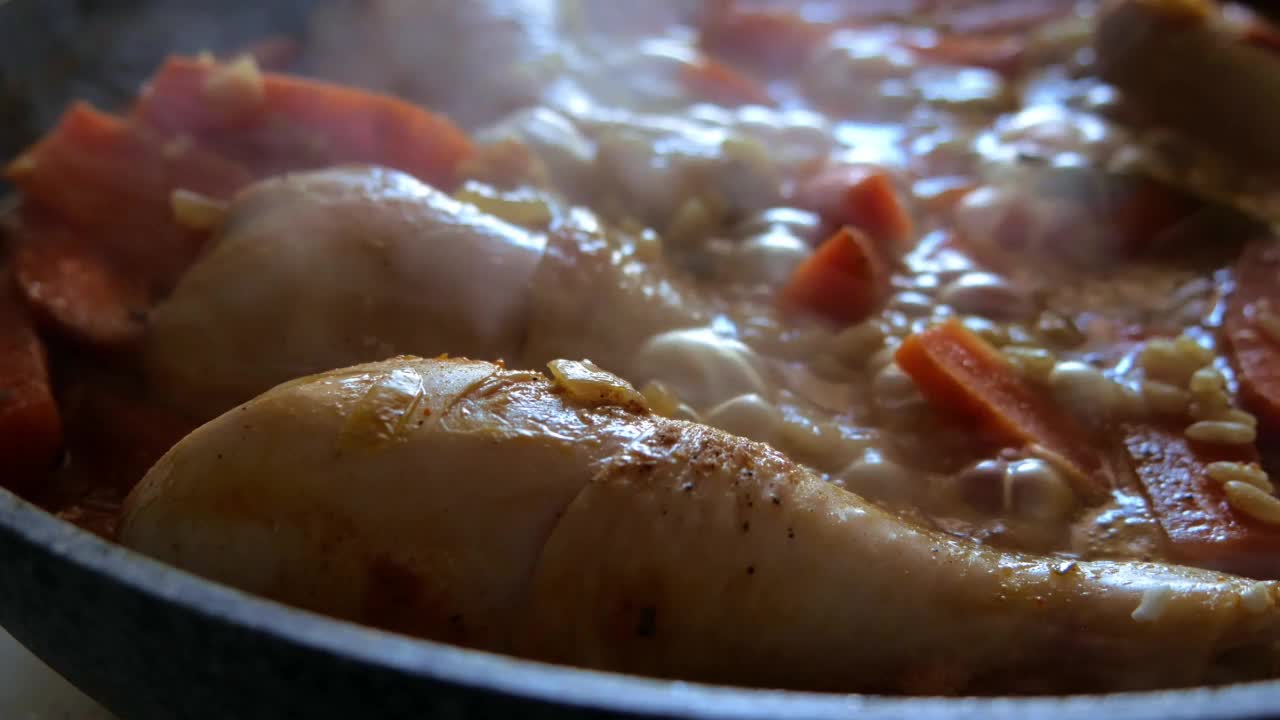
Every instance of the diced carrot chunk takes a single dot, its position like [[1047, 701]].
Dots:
[[843, 281], [965, 375], [861, 196], [102, 174], [72, 289]]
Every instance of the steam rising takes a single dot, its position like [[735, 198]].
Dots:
[[52, 51]]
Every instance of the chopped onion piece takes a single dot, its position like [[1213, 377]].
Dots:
[[583, 380], [236, 87], [195, 211]]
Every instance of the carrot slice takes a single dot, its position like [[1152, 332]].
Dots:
[[844, 280], [1252, 324], [30, 426], [1192, 508], [101, 173], [275, 123], [964, 374], [72, 289], [94, 166], [862, 196]]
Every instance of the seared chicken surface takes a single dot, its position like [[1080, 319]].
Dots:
[[359, 264], [560, 520]]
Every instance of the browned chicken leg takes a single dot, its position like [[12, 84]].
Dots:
[[319, 270], [560, 520]]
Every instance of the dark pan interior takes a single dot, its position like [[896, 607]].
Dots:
[[149, 641]]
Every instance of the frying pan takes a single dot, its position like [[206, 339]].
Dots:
[[150, 641]]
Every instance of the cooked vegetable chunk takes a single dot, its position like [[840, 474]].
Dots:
[[965, 375]]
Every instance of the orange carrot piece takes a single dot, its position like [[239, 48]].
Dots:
[[276, 123], [843, 281], [92, 167], [105, 175], [721, 84], [30, 426], [1250, 322], [73, 290], [964, 374], [862, 196], [1191, 507]]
